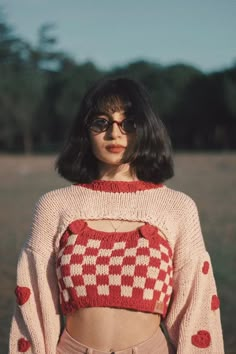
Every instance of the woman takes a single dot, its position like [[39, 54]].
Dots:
[[118, 253]]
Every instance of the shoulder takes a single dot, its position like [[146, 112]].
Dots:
[[178, 201], [55, 198], [189, 240], [58, 206], [46, 219], [51, 205], [184, 211]]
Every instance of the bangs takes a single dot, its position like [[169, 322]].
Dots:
[[110, 100], [112, 103]]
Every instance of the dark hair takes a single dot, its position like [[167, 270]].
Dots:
[[151, 160]]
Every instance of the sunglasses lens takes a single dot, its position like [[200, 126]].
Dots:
[[129, 125], [99, 125]]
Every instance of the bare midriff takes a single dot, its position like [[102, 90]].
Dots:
[[107, 329]]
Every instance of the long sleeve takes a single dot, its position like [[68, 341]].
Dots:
[[193, 320], [36, 322]]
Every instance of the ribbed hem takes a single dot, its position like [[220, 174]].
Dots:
[[114, 301]]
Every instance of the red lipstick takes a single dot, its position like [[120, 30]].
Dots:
[[115, 148]]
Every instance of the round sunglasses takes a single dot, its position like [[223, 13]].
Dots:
[[99, 125]]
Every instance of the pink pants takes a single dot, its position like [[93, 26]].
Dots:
[[157, 344]]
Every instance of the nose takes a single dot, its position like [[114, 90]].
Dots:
[[114, 130]]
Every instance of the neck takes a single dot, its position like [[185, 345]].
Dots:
[[117, 173]]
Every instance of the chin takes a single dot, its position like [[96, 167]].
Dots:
[[111, 162]]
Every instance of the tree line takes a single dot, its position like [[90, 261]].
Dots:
[[41, 89]]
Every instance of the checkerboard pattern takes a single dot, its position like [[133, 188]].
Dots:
[[116, 271]]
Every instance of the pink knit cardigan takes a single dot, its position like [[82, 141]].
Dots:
[[193, 318]]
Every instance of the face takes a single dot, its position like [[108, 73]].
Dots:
[[109, 146]]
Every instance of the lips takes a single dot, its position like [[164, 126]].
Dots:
[[115, 148]]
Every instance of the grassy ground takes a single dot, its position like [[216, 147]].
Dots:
[[209, 178]]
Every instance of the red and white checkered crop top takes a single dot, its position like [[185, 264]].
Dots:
[[131, 270]]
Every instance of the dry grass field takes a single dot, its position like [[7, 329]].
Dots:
[[209, 178]]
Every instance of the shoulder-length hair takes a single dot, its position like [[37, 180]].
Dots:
[[151, 159]]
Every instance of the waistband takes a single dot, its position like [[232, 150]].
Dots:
[[156, 344]]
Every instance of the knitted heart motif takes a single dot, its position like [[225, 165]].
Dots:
[[23, 345], [215, 302], [202, 339], [205, 267], [76, 226], [22, 294], [148, 231]]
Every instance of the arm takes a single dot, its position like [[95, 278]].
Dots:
[[36, 322], [193, 320]]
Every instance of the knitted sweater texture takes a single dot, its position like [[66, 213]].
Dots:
[[131, 269], [193, 317]]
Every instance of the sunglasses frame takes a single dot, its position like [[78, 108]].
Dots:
[[110, 123]]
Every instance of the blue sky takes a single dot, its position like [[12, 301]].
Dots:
[[112, 32]]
